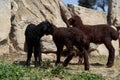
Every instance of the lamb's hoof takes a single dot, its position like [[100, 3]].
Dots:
[[64, 64], [27, 64], [110, 64], [79, 62], [87, 69], [37, 64]]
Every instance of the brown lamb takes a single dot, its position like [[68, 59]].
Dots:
[[98, 34], [70, 37]]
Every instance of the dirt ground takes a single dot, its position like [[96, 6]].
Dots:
[[97, 64]]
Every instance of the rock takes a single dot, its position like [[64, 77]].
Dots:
[[48, 45], [49, 56], [89, 16], [5, 25], [30, 11], [114, 13]]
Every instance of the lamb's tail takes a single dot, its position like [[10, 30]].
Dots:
[[115, 34], [119, 34]]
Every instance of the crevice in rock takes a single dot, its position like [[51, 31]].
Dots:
[[39, 10], [63, 16], [3, 42], [48, 9], [12, 36], [30, 10]]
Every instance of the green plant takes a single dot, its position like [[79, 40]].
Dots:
[[60, 71], [46, 71], [87, 76], [15, 72]]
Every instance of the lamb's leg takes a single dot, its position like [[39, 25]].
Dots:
[[80, 58], [58, 54], [84, 54], [29, 55], [37, 53], [111, 50], [71, 53], [67, 60], [86, 61]]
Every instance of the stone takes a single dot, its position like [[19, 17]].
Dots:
[[114, 13], [5, 25], [89, 16], [35, 11]]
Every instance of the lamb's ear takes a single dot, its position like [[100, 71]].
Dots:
[[71, 21], [44, 28]]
